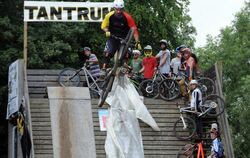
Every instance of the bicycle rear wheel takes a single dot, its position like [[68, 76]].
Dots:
[[149, 88], [169, 89], [184, 133], [206, 85], [186, 151], [217, 104], [69, 77]]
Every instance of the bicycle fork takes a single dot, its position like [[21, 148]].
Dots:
[[183, 121]]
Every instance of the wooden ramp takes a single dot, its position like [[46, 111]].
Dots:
[[156, 144]]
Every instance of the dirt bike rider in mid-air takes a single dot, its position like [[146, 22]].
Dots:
[[117, 23]]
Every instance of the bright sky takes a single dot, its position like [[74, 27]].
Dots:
[[209, 16]]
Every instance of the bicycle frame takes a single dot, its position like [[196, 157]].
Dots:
[[188, 110], [149, 88], [86, 74], [119, 61]]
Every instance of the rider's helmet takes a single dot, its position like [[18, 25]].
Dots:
[[193, 82], [148, 51], [118, 4], [136, 52]]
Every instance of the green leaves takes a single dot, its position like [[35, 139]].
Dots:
[[232, 47]]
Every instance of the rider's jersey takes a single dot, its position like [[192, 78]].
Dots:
[[196, 98], [119, 25]]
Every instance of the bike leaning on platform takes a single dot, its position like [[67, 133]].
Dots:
[[185, 127], [117, 68], [70, 77]]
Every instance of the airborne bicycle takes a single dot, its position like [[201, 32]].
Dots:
[[118, 68]]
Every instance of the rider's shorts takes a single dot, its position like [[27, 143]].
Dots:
[[112, 45]]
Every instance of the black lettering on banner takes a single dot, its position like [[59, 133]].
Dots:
[[42, 13], [83, 13], [105, 11], [31, 11], [56, 12], [92, 13], [69, 10]]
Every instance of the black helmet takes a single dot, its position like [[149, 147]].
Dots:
[[179, 48]]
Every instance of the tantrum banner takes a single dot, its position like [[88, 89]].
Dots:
[[35, 11]]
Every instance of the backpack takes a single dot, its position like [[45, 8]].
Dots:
[[220, 153]]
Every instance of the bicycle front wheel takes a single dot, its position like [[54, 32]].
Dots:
[[107, 86], [169, 89], [69, 77], [215, 103], [186, 151], [182, 132], [149, 88], [206, 85]]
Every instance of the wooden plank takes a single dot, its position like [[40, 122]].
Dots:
[[42, 72]]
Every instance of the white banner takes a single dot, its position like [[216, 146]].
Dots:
[[13, 89], [66, 11]]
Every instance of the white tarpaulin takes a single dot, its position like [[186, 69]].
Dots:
[[124, 138]]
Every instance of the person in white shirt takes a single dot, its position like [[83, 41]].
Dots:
[[165, 56], [196, 101], [196, 96], [175, 63]]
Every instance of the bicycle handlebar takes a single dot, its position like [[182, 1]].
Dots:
[[132, 45]]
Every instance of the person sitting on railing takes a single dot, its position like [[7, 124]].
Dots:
[[196, 101], [149, 63]]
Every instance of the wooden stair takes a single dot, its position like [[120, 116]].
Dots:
[[161, 144]]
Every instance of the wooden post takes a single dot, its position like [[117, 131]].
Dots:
[[26, 91], [227, 141], [25, 43]]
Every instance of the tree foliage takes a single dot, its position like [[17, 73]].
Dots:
[[232, 47]]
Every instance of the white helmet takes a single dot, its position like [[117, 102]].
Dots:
[[164, 42], [193, 82], [136, 52], [118, 4], [148, 47]]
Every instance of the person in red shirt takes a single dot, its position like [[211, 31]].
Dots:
[[149, 63]]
